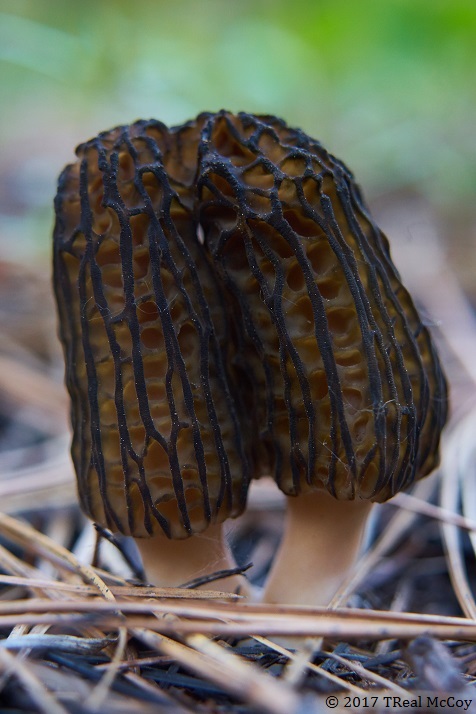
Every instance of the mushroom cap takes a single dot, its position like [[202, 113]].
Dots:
[[156, 439], [349, 392]]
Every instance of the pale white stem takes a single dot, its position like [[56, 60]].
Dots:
[[170, 563], [320, 546]]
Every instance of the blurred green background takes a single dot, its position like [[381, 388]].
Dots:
[[387, 85]]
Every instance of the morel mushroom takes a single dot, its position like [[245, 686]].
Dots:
[[348, 390], [157, 445], [282, 340]]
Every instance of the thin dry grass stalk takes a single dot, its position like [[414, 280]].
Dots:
[[457, 461], [49, 484], [120, 591], [338, 681], [372, 676], [32, 540], [181, 618], [25, 385], [395, 531], [208, 659], [46, 703]]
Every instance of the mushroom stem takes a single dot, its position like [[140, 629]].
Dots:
[[320, 545], [171, 563]]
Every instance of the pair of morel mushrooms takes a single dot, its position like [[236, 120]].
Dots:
[[228, 310]]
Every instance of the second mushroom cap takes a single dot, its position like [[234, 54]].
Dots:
[[352, 396]]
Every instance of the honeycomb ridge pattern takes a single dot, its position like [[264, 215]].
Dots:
[[354, 392], [228, 306], [156, 439]]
